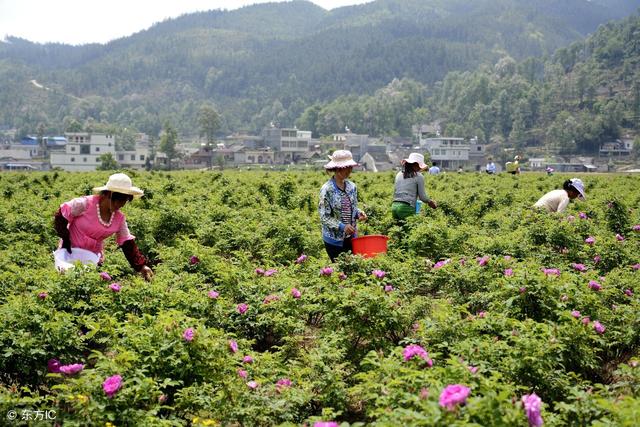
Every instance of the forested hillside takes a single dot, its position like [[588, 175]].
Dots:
[[271, 62]]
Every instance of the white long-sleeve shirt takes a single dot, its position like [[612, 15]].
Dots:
[[553, 201]]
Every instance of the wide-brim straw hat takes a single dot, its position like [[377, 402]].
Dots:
[[120, 183], [415, 158], [340, 159]]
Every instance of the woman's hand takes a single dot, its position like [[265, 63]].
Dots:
[[349, 230], [147, 273], [362, 216], [432, 204]]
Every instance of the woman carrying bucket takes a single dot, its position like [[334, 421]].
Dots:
[[409, 186], [85, 222], [338, 205]]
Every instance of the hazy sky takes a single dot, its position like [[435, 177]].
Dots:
[[98, 21]]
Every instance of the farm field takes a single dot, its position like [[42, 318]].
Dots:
[[238, 328]]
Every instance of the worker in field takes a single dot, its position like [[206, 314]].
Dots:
[[513, 167], [85, 222], [557, 200], [338, 205], [409, 187]]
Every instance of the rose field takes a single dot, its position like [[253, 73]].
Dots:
[[483, 312]]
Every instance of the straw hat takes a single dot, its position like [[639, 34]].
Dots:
[[415, 158], [340, 159], [578, 185], [120, 183]]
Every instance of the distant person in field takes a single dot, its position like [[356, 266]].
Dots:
[[513, 167], [409, 186], [557, 200], [491, 167], [434, 169], [338, 205], [85, 222]]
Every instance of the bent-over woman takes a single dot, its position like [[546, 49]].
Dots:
[[409, 186], [85, 222], [557, 200]]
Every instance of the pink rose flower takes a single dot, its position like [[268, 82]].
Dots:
[[326, 271], [247, 359], [233, 346], [483, 261], [424, 393], [590, 240], [194, 260], [636, 267], [71, 369], [579, 267], [302, 258], [564, 298], [482, 314], [628, 292], [522, 289], [115, 287], [342, 276], [213, 294], [619, 237], [473, 369], [571, 218], [583, 215], [586, 320], [325, 424], [270, 298], [388, 288], [595, 285], [597, 259], [270, 272], [43, 295], [508, 272], [189, 334], [252, 385], [532, 405], [260, 271], [296, 293], [379, 273], [242, 373], [636, 227], [598, 327], [105, 276], [576, 314], [282, 384], [111, 385], [242, 308], [441, 264], [414, 350], [53, 366], [452, 395], [551, 272]]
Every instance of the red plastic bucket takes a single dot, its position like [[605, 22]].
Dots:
[[370, 246]]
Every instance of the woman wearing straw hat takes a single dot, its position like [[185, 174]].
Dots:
[[338, 205], [409, 186], [557, 200], [85, 222]]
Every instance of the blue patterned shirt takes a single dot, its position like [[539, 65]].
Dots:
[[330, 210]]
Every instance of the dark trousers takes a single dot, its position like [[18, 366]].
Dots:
[[333, 251]]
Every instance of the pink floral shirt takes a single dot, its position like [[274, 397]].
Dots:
[[87, 230]]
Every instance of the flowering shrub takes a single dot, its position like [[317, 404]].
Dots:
[[526, 316]]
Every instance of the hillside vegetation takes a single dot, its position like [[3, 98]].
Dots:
[[270, 62]]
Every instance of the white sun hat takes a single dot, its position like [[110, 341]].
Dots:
[[578, 185], [415, 158], [340, 159], [120, 183]]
